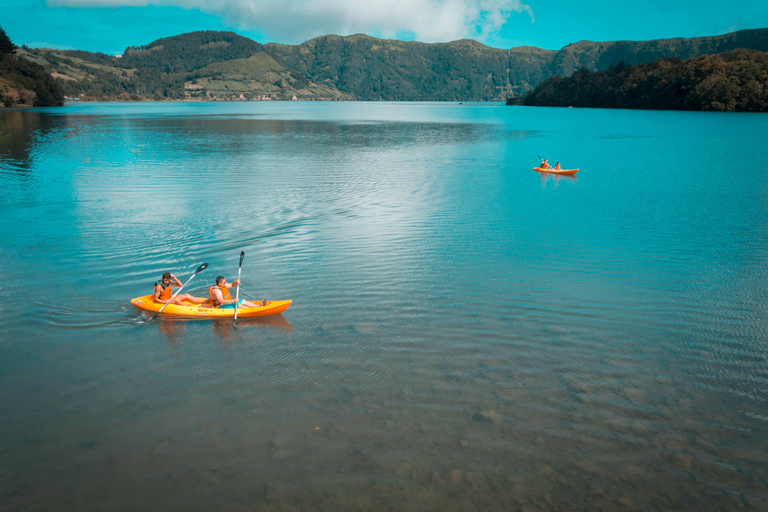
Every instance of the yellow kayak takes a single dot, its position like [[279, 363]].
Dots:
[[569, 172], [273, 307]]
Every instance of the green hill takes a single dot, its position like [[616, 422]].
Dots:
[[733, 81], [24, 82], [368, 68], [600, 56], [197, 65], [224, 65], [257, 76]]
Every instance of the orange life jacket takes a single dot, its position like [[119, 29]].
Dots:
[[167, 292], [224, 293], [557, 166]]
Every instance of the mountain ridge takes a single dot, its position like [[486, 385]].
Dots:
[[361, 67]]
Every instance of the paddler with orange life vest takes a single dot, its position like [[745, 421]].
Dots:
[[545, 164], [557, 166], [164, 292], [221, 298]]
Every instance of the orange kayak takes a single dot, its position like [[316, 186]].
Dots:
[[556, 171], [273, 307]]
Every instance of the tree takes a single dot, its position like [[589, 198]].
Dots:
[[6, 46]]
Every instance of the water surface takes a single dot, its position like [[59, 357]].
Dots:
[[466, 334]]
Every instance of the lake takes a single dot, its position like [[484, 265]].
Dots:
[[465, 333]]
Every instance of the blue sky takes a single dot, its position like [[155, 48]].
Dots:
[[109, 26]]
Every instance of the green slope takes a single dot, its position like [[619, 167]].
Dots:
[[224, 65], [601, 55], [378, 69], [375, 69], [24, 82], [255, 77], [198, 65]]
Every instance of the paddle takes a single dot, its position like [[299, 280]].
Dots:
[[237, 292], [199, 269]]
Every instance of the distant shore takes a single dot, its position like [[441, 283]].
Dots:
[[735, 81]]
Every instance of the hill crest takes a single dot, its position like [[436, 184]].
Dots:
[[352, 67]]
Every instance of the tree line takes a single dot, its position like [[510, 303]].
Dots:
[[732, 81]]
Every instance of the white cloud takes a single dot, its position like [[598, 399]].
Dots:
[[50, 46], [294, 21]]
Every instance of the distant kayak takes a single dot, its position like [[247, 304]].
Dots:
[[273, 307], [556, 171]]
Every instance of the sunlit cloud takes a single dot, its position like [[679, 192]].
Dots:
[[293, 21]]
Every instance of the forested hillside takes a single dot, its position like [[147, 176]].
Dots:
[[197, 65], [601, 55], [368, 68], [24, 83], [226, 66], [732, 81]]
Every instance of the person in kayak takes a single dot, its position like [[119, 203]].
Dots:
[[557, 166], [221, 298], [164, 292], [545, 164]]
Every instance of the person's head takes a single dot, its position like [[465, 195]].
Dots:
[[167, 276], [221, 280]]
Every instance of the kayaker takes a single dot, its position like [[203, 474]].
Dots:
[[545, 164], [557, 166], [164, 291], [221, 297]]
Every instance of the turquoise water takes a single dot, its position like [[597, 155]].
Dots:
[[466, 334]]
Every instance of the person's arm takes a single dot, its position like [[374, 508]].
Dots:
[[177, 283], [219, 297], [231, 285], [158, 291]]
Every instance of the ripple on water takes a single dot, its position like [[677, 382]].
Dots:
[[465, 334]]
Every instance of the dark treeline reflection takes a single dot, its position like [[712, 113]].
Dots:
[[241, 134], [19, 132]]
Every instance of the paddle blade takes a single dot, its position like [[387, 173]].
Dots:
[[201, 268], [242, 255]]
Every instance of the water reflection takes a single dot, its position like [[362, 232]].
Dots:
[[244, 135], [545, 177], [19, 132], [174, 330], [454, 346]]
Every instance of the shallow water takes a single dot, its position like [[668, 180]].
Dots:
[[466, 334]]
